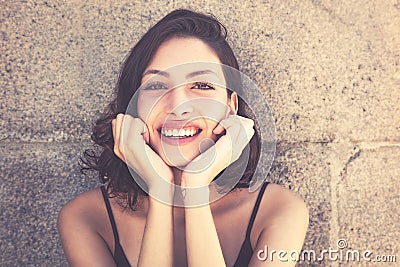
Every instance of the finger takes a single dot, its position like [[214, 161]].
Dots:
[[113, 128], [135, 140], [119, 154], [242, 139], [246, 131], [225, 123], [219, 129], [146, 134], [118, 127], [118, 150], [247, 125], [136, 129], [116, 145], [115, 149], [239, 130], [231, 125], [239, 121]]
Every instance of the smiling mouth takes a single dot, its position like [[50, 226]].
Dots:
[[179, 133]]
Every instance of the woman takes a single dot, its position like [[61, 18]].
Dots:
[[134, 220]]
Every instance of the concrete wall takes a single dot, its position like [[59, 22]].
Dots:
[[329, 70]]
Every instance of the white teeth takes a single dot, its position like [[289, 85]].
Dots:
[[178, 132]]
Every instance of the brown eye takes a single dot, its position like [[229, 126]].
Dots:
[[203, 86], [155, 86]]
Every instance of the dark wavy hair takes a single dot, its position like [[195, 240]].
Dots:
[[179, 23]]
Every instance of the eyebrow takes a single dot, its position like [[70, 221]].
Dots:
[[160, 72], [200, 72], [190, 75]]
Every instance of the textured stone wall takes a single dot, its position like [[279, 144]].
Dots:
[[329, 71]]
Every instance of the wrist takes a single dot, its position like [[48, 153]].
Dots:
[[189, 180], [161, 193], [196, 196], [155, 203]]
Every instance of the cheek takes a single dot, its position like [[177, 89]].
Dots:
[[146, 108], [213, 111]]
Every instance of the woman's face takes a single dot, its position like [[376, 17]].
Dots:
[[181, 101]]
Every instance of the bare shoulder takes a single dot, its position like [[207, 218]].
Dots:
[[79, 224], [283, 221], [281, 210], [83, 214], [82, 208], [281, 202]]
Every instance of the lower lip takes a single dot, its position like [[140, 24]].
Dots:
[[178, 141]]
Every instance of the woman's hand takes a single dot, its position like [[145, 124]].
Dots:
[[228, 148], [131, 139]]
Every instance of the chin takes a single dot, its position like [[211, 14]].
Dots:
[[177, 161]]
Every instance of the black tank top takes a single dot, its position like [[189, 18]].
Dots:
[[245, 253]]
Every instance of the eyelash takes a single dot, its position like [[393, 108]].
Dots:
[[197, 85], [208, 85]]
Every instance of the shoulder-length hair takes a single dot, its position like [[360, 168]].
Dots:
[[178, 23]]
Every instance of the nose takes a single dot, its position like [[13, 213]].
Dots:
[[178, 102]]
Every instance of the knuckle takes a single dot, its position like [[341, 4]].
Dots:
[[120, 148], [136, 121], [119, 155], [248, 121], [116, 150]]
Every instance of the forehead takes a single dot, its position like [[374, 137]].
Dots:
[[180, 50]]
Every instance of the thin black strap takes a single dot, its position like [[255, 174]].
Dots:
[[119, 255], [110, 215], [255, 209]]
